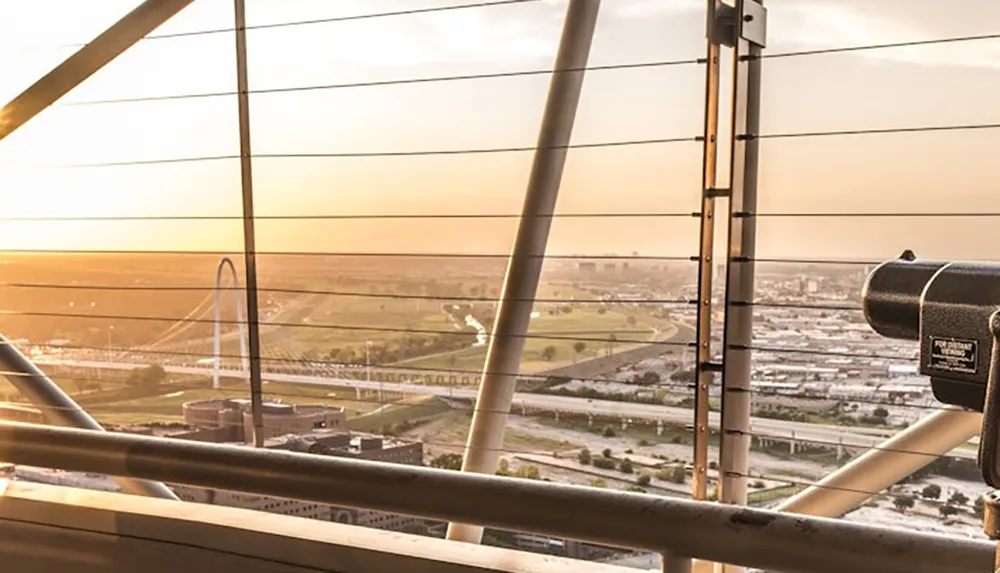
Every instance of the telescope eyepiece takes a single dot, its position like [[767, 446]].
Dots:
[[891, 295]]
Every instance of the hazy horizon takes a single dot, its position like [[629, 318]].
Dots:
[[944, 84]]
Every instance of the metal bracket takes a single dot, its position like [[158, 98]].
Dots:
[[751, 25], [754, 26], [711, 366], [724, 25]]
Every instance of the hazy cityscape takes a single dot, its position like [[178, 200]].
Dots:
[[382, 361]]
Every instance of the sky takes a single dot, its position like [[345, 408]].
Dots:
[[943, 84]]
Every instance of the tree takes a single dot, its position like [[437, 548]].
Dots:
[[603, 463], [648, 378], [447, 462], [625, 466], [149, 376], [528, 472], [947, 510], [602, 310], [346, 355], [503, 467], [578, 347], [958, 498], [903, 503], [584, 457], [608, 432], [598, 483], [933, 491], [677, 474], [606, 453], [635, 488], [548, 353], [880, 412], [643, 479], [683, 376]]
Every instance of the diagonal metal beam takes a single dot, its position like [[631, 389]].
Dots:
[[121, 36], [882, 466], [503, 359]]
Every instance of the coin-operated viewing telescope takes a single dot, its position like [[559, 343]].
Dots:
[[953, 310]]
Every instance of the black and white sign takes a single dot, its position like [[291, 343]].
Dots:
[[954, 354]]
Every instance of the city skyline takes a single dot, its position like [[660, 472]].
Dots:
[[943, 171]]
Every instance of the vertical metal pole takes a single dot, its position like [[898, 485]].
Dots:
[[503, 359], [703, 352], [734, 462], [249, 236]]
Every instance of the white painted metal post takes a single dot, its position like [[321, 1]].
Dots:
[[734, 452], [503, 359], [734, 455]]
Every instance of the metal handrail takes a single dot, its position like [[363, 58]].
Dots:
[[708, 531], [59, 408]]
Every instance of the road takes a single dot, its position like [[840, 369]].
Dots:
[[851, 437]]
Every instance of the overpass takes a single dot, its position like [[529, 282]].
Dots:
[[764, 429]]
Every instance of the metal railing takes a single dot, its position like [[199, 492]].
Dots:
[[715, 532]]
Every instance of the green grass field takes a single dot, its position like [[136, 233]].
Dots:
[[638, 432], [583, 322], [324, 323], [317, 324], [70, 384], [416, 411], [451, 430], [443, 428]]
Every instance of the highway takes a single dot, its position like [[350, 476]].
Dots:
[[851, 437]]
